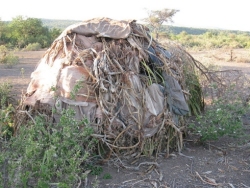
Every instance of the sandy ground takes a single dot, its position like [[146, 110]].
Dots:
[[19, 75]]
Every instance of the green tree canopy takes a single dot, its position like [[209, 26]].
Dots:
[[156, 18], [27, 30], [24, 31], [3, 29]]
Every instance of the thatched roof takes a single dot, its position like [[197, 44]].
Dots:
[[132, 90]]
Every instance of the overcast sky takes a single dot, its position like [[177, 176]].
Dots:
[[214, 14]]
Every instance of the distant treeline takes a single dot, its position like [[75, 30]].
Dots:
[[205, 38], [22, 32], [59, 24], [62, 24], [198, 31]]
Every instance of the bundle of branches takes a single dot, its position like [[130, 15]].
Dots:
[[133, 91]]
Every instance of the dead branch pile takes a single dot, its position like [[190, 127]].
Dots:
[[133, 91]]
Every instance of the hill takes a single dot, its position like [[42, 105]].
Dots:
[[177, 30], [59, 24], [198, 31], [62, 24]]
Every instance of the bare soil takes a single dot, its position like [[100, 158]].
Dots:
[[222, 163], [19, 75]]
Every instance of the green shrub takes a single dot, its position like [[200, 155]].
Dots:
[[5, 94], [222, 117], [11, 60], [107, 176], [7, 111], [7, 122], [46, 155], [7, 58], [33, 47]]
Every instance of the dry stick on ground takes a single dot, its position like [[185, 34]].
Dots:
[[245, 185], [209, 181], [146, 163]]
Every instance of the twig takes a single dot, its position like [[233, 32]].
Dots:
[[138, 182], [181, 154], [245, 185], [128, 181], [80, 182], [127, 147], [218, 148], [231, 185], [143, 163], [86, 182], [210, 183], [28, 115]]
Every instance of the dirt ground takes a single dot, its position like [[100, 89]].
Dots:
[[19, 75], [223, 163]]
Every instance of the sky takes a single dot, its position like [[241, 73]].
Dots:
[[210, 14]]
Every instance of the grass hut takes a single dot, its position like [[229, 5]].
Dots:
[[133, 91]]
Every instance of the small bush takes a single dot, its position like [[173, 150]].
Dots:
[[222, 117], [11, 60], [7, 111], [6, 97], [48, 155], [7, 122], [33, 47], [7, 58]]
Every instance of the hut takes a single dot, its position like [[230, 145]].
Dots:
[[133, 91]]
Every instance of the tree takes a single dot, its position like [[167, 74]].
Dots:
[[22, 31], [156, 18], [54, 33], [3, 29], [25, 31]]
